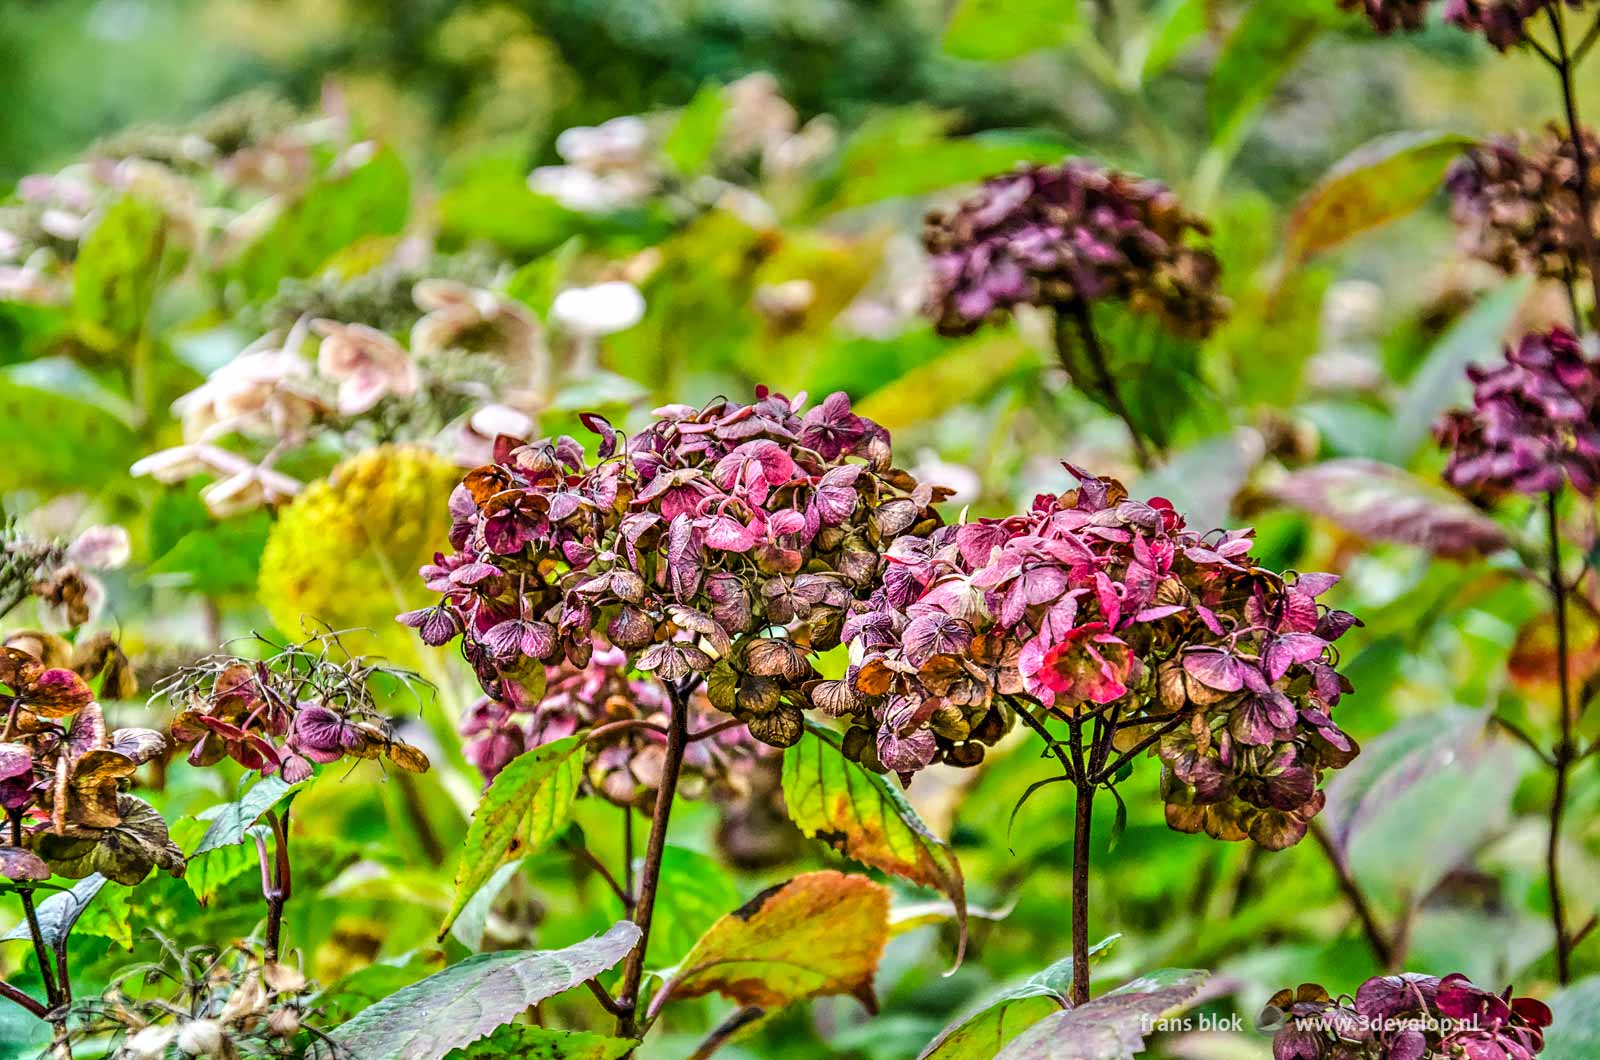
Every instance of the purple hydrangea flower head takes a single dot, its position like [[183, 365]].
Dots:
[[721, 544], [1092, 604], [1074, 232], [1387, 16], [1519, 209], [1406, 1017], [1534, 424], [1502, 22], [626, 766]]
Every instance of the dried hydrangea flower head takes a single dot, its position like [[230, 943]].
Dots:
[[231, 1003], [1406, 1017], [1502, 22], [301, 703], [1520, 212], [1534, 424], [1091, 604], [63, 773], [1387, 16], [721, 543], [625, 766], [1070, 233]]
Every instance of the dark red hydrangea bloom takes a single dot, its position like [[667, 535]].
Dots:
[[1534, 424], [1094, 604], [1502, 22], [1051, 235], [722, 543], [626, 768], [1520, 211], [1387, 16], [279, 715], [1406, 1017]]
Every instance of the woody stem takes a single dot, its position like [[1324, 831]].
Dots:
[[629, 1025]]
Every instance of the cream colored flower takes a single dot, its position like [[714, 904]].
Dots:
[[457, 316], [603, 309], [367, 363], [264, 390]]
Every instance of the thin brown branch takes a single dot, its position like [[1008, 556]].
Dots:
[[607, 1002], [725, 1031], [1382, 948], [1522, 737], [1580, 153], [1566, 749]]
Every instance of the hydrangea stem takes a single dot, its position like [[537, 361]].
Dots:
[[1565, 752], [1382, 948], [276, 881], [1076, 314], [629, 1025], [1083, 817], [1580, 155]]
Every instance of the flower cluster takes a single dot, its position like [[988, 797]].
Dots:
[[1534, 424], [464, 340], [208, 1004], [1052, 235], [1502, 22], [1387, 16], [722, 543], [1406, 1017], [626, 764], [59, 576], [303, 703], [1092, 604], [63, 774], [1520, 211]]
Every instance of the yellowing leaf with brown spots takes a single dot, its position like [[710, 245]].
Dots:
[[821, 933], [863, 816]]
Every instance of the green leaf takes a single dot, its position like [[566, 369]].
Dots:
[[985, 1030], [537, 283], [118, 267], [694, 136], [821, 933], [873, 165], [1176, 24], [470, 922], [111, 917], [1380, 502], [59, 912], [993, 30], [1438, 799], [55, 442], [1441, 382], [1380, 181], [1157, 372], [1261, 49], [336, 210], [219, 557], [208, 873], [542, 1043], [468, 1000], [958, 377], [1110, 1027], [864, 817], [232, 820], [525, 807], [1575, 1034], [503, 210]]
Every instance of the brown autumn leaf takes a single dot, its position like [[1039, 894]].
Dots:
[[821, 933]]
